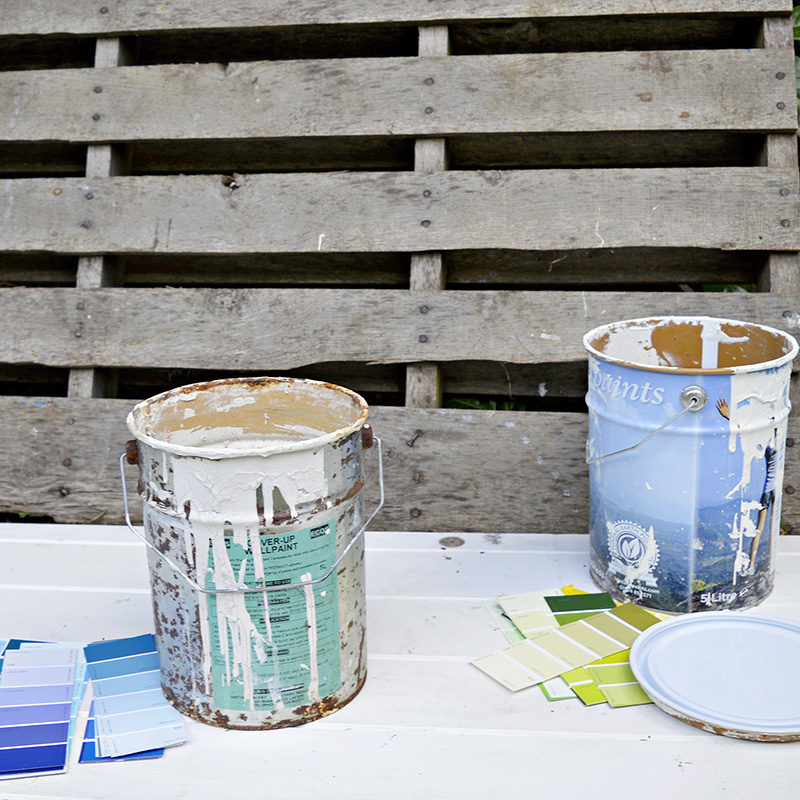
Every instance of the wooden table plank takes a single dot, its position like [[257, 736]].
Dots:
[[426, 721], [735, 208], [555, 92]]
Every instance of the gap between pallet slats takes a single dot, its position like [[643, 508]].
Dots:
[[624, 268]]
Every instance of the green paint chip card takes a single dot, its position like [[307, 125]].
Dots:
[[584, 687], [622, 695], [557, 689], [571, 608], [600, 601]]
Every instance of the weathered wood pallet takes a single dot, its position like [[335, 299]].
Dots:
[[423, 201]]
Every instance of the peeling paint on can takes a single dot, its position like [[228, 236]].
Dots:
[[685, 507], [248, 484]]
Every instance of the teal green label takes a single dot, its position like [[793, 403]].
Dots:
[[278, 648]]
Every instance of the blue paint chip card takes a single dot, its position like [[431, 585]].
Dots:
[[37, 687], [90, 752], [131, 712]]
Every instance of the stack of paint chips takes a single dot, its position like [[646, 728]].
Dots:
[[570, 643], [42, 687], [130, 713], [40, 693]]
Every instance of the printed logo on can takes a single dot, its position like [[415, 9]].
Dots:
[[634, 553]]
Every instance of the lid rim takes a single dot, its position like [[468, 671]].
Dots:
[[680, 707]]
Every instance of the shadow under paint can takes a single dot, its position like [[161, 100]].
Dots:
[[253, 517], [687, 433]]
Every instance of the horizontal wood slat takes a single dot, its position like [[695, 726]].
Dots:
[[123, 16], [445, 470], [694, 90], [273, 329], [544, 209]]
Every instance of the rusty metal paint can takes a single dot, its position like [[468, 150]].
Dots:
[[687, 433], [252, 514]]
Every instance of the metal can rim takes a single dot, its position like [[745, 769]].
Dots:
[[214, 452], [642, 322]]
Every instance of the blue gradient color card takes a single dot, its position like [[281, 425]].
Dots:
[[37, 689], [89, 750], [131, 713]]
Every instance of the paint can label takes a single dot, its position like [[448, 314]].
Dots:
[[686, 520], [276, 649]]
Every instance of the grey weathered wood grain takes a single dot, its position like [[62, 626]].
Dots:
[[739, 208], [670, 90], [464, 471], [455, 474], [84, 16], [269, 329]]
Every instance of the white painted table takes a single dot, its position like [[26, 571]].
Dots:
[[427, 724]]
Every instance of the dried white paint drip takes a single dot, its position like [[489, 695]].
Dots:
[[757, 415], [221, 494], [238, 402], [273, 683], [713, 336], [634, 349], [311, 619], [743, 526], [758, 407]]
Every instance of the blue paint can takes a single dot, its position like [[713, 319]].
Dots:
[[687, 433]]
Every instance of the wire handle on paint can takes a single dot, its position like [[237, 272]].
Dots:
[[692, 398], [260, 589]]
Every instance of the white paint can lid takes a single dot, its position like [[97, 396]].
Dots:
[[732, 673]]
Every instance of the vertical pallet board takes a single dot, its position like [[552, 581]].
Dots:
[[424, 379], [95, 272]]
